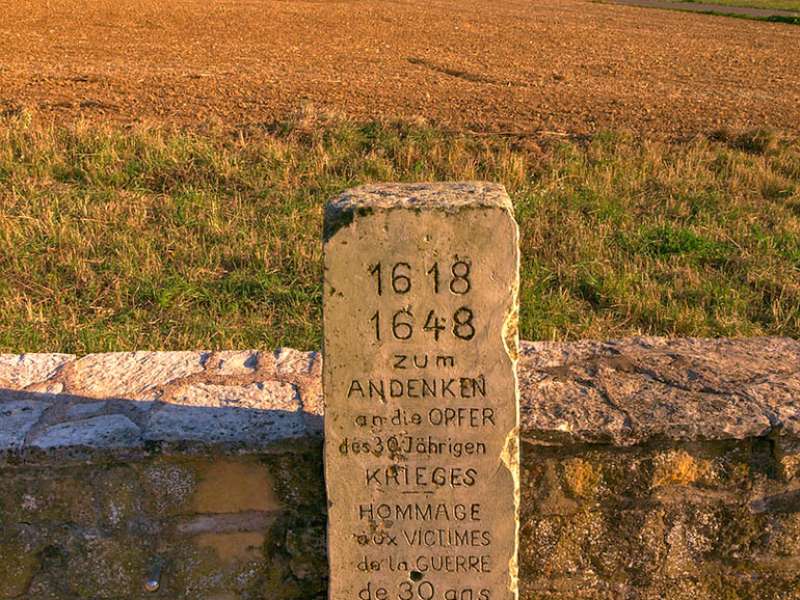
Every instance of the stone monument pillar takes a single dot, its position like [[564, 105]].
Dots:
[[421, 420]]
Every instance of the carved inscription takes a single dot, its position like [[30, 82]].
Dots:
[[420, 390]]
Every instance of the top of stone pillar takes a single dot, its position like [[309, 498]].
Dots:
[[448, 197]]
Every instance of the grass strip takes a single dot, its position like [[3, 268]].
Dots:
[[151, 238]]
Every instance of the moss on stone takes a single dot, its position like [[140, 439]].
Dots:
[[295, 548], [17, 567], [722, 522], [679, 468], [169, 485], [581, 477]]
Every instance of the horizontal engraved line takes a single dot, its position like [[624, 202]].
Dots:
[[252, 520]]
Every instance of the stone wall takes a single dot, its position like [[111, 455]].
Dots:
[[651, 468]]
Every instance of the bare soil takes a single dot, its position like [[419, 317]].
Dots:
[[502, 65]]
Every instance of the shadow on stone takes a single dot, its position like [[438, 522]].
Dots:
[[202, 418]]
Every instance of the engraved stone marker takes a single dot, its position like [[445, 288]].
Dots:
[[421, 422]]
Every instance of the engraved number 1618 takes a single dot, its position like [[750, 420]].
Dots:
[[458, 281]]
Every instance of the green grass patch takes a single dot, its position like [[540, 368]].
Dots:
[[765, 4], [148, 238]]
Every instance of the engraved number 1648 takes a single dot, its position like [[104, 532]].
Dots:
[[402, 326]]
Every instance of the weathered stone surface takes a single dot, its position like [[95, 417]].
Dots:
[[102, 432], [421, 427], [289, 361], [622, 392], [656, 522], [135, 375], [257, 414], [170, 484], [18, 371], [17, 418], [629, 391], [234, 362], [445, 197], [94, 530], [84, 410], [246, 398], [235, 486], [17, 567], [304, 368], [691, 504]]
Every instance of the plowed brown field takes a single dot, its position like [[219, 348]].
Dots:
[[520, 65]]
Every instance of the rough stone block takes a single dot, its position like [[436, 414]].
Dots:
[[629, 490], [102, 432], [17, 418], [421, 416], [289, 361], [234, 362], [18, 565], [134, 375], [256, 414], [85, 410], [232, 486], [18, 371]]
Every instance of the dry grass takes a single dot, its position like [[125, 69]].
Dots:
[[150, 238]]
